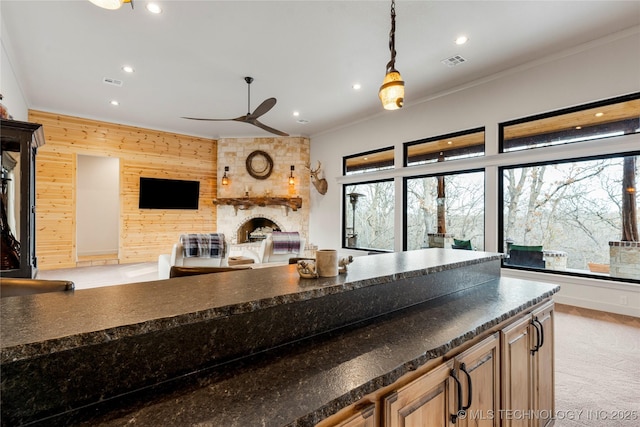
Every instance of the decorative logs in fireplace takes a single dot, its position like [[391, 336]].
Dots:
[[242, 203]]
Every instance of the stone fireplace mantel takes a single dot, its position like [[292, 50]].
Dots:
[[243, 203]]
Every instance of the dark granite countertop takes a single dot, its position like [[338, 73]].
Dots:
[[60, 321], [301, 383]]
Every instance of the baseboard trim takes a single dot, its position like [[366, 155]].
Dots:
[[597, 305]]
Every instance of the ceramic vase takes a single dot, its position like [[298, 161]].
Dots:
[[327, 262]]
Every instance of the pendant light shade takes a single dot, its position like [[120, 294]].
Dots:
[[392, 90]]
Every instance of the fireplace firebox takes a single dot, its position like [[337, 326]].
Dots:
[[255, 229]]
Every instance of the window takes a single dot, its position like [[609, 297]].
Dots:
[[568, 210], [459, 145], [370, 161], [369, 215], [619, 116], [461, 210]]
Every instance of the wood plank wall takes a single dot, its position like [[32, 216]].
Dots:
[[144, 234]]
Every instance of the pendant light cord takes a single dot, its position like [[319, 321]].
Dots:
[[391, 65]]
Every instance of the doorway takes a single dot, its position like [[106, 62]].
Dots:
[[97, 210]]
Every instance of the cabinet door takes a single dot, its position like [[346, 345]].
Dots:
[[517, 379], [543, 366], [363, 418], [423, 402], [479, 367]]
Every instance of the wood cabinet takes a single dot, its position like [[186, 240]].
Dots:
[[364, 417], [527, 370], [19, 142], [427, 401], [478, 371], [464, 391], [543, 368], [505, 379]]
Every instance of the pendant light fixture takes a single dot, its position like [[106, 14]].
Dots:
[[392, 90], [111, 4]]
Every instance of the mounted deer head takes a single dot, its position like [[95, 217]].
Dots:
[[320, 184]]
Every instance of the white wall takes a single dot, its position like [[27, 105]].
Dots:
[[14, 98], [602, 69], [98, 205]]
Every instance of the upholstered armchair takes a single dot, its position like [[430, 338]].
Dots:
[[181, 257], [267, 253]]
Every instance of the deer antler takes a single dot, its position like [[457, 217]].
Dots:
[[315, 172]]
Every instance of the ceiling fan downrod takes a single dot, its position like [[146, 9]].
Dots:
[[249, 80]]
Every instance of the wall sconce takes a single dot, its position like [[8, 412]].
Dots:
[[225, 178], [292, 180], [111, 4], [392, 90]]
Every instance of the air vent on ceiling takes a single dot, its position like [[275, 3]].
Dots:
[[113, 82], [453, 61]]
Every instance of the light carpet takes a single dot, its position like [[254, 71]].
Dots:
[[597, 368]]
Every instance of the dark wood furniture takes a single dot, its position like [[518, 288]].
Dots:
[[13, 287], [21, 140]]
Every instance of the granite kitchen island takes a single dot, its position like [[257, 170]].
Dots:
[[252, 347]]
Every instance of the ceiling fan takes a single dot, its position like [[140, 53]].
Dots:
[[251, 118]]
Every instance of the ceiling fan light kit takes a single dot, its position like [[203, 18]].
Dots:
[[392, 90], [251, 118], [111, 4]]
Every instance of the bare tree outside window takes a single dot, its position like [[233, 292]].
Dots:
[[575, 207], [463, 208], [373, 225]]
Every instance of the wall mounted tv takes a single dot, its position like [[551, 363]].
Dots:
[[158, 193]]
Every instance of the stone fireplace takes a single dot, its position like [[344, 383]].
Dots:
[[259, 215]]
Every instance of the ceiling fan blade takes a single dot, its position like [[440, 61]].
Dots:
[[267, 128], [263, 108], [240, 119]]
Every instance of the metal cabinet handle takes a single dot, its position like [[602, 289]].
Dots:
[[454, 417], [541, 332], [463, 368], [537, 347]]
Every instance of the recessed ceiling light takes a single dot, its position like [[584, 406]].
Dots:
[[578, 127], [462, 40], [127, 69], [365, 158], [599, 114], [296, 113], [449, 142], [154, 8], [356, 86], [114, 102]]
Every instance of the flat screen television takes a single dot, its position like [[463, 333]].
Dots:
[[156, 193]]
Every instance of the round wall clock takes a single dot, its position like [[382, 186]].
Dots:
[[259, 164]]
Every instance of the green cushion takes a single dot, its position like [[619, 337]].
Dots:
[[527, 248], [462, 244]]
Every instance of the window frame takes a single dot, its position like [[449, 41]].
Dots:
[[602, 103], [406, 145], [501, 241], [368, 153], [344, 215], [405, 189]]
